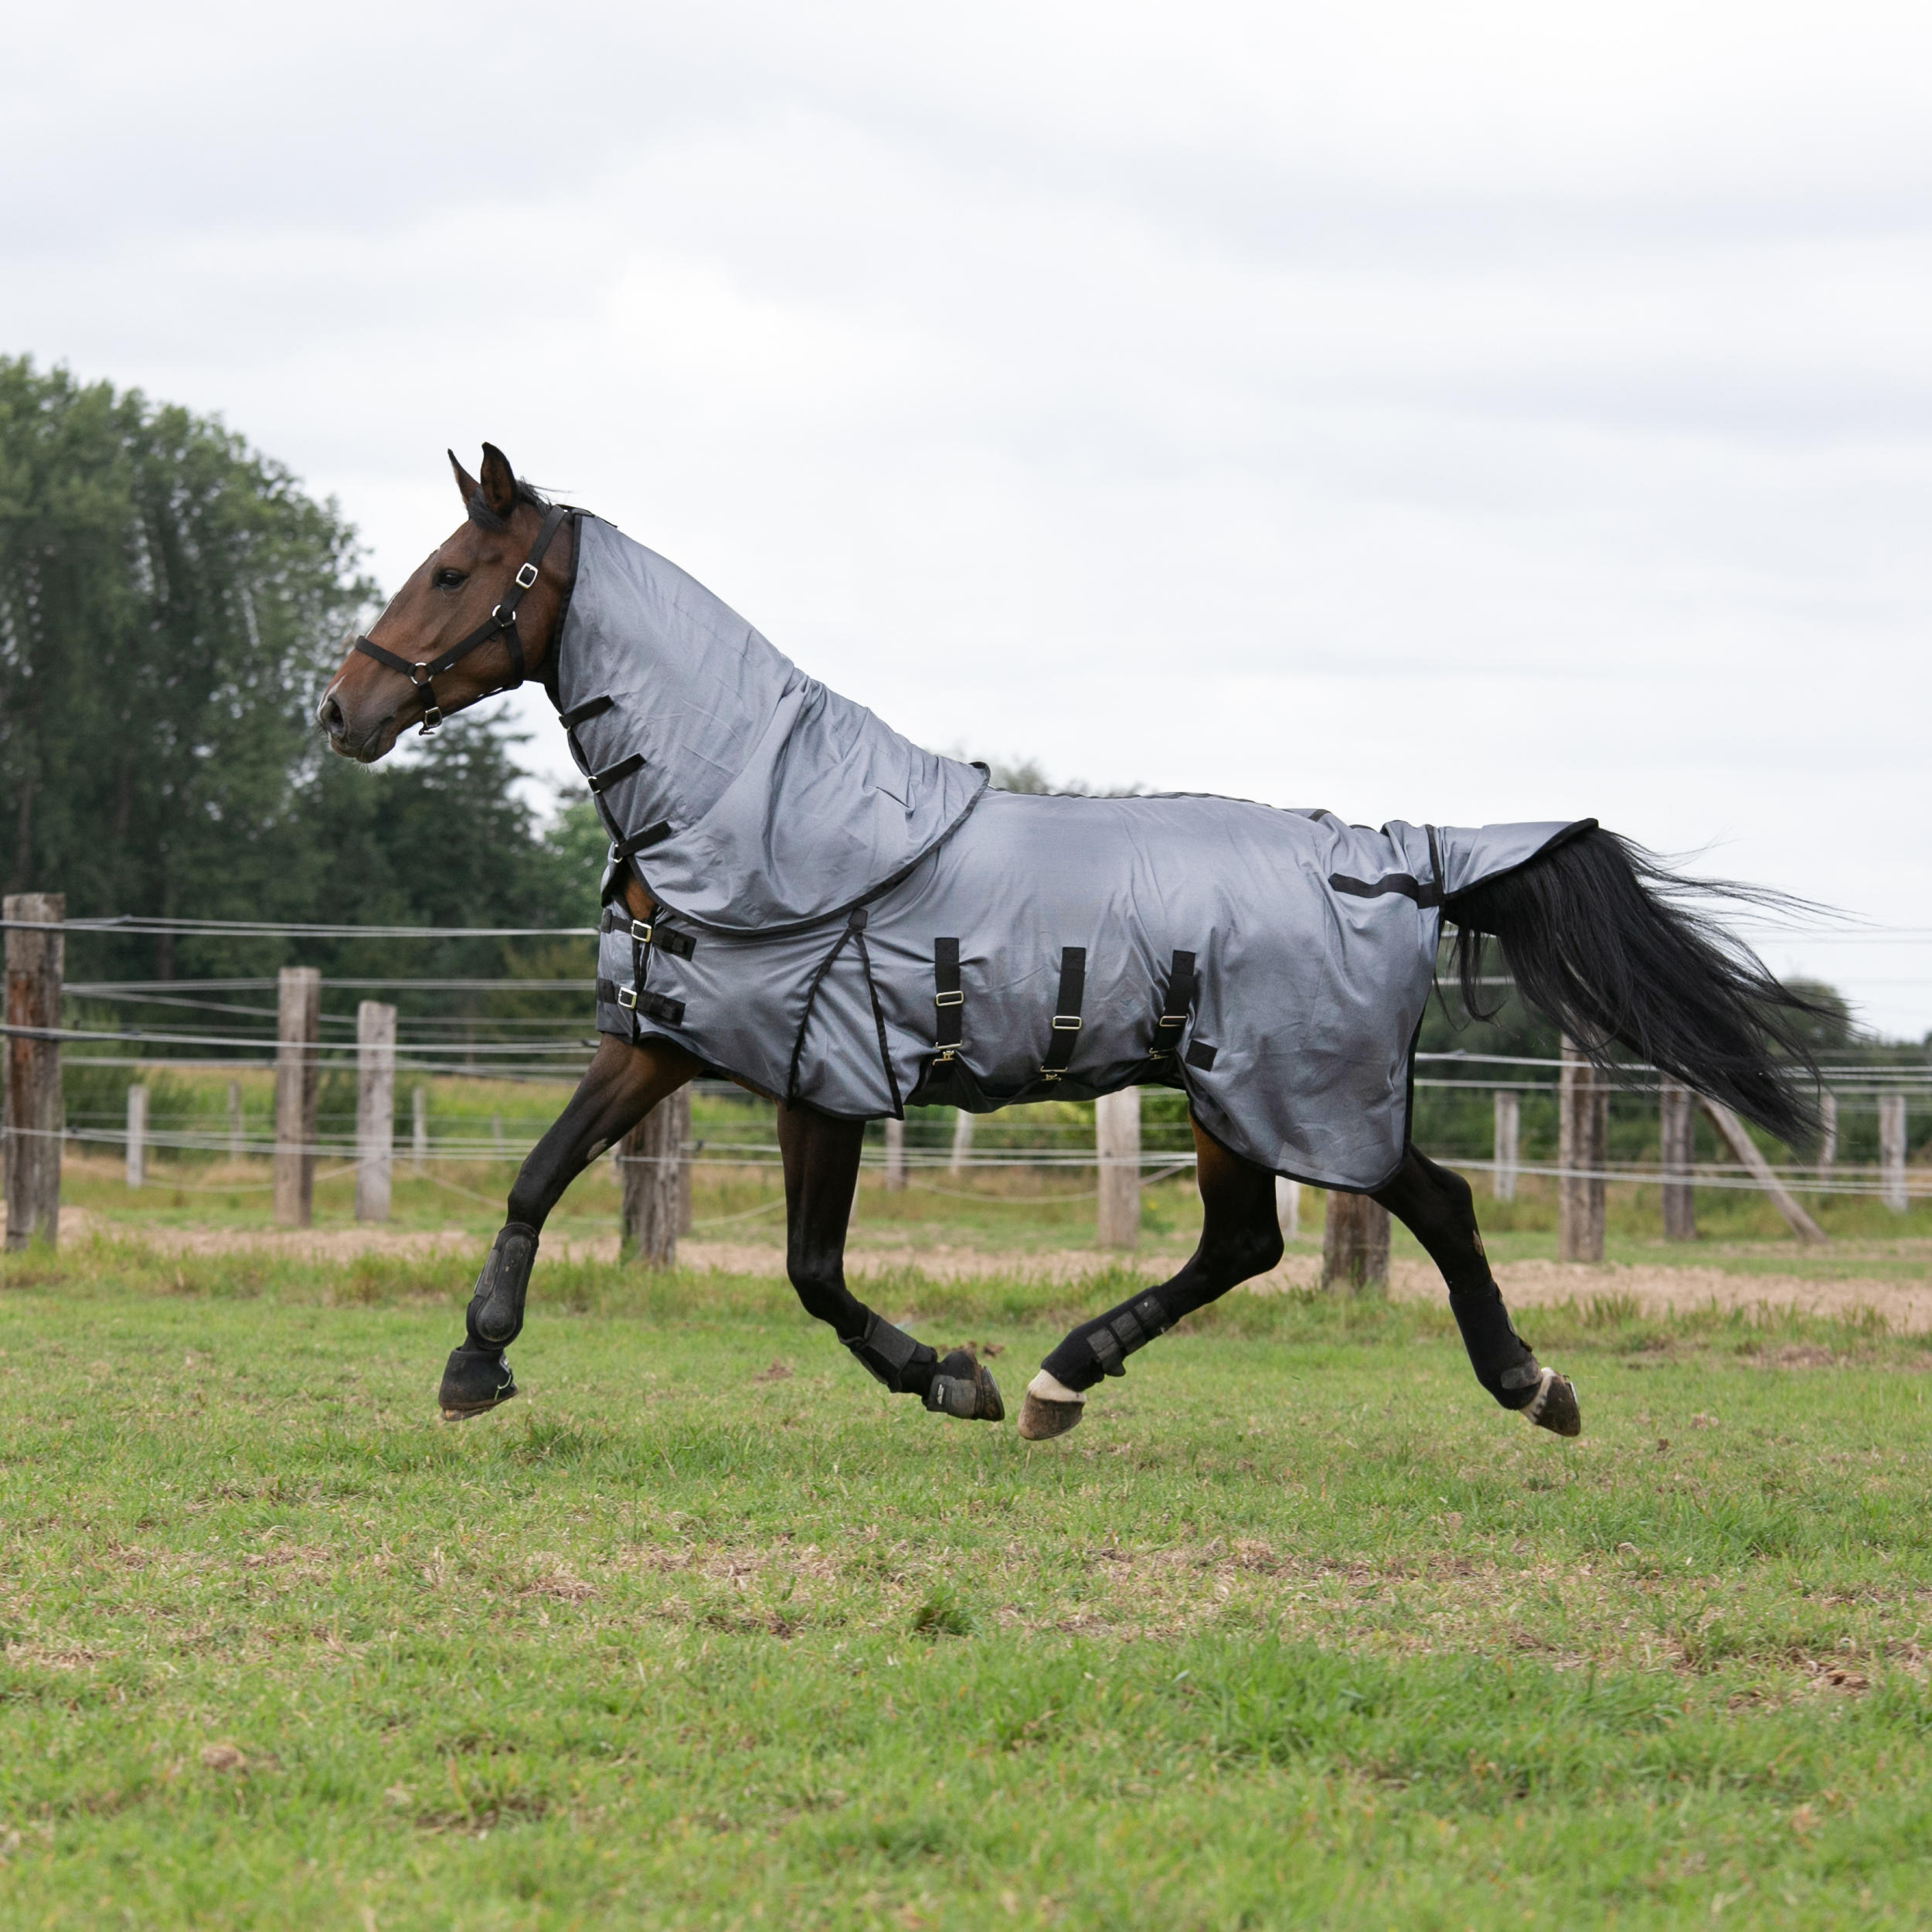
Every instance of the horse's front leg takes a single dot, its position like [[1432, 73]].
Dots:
[[821, 1170], [622, 1084]]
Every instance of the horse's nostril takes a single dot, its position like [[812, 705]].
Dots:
[[332, 718]]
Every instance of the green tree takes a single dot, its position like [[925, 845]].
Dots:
[[168, 598]]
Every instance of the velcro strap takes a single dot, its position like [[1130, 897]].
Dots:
[[949, 1026], [611, 774], [1170, 1022], [1106, 1351], [641, 841], [582, 713], [1065, 1023]]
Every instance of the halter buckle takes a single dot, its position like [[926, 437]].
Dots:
[[526, 576], [432, 719]]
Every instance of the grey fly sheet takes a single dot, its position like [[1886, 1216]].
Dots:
[[850, 922]]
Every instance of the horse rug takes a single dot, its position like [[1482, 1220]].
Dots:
[[850, 922]]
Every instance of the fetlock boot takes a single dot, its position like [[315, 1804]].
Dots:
[[477, 1377]]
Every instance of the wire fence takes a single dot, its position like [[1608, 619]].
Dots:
[[211, 1026]]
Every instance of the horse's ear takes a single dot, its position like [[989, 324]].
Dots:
[[499, 481], [466, 486]]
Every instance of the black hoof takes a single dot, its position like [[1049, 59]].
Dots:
[[963, 1386], [475, 1381], [1554, 1406]]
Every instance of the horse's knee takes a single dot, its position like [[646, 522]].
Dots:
[[821, 1288]]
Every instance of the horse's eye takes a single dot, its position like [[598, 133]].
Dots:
[[447, 579]]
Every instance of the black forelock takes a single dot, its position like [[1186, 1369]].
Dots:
[[486, 518]]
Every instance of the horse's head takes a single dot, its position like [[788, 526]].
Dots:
[[477, 616]]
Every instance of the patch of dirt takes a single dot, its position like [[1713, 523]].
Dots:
[[1655, 1288]]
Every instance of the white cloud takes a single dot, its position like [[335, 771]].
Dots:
[[1499, 411]]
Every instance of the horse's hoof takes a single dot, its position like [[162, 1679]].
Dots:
[[1039, 1420], [963, 1386], [1553, 1406], [475, 1381]]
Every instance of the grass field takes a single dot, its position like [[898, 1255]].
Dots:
[[707, 1630]]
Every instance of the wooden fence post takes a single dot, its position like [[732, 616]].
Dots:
[[1583, 1128], [1502, 1173], [1287, 1207], [1891, 1152], [962, 1143], [1677, 1113], [137, 1135], [648, 1159], [419, 1129], [894, 1157], [298, 1027], [235, 1141], [375, 1107], [1828, 1137], [32, 1116], [1731, 1131], [1355, 1245], [1116, 1147]]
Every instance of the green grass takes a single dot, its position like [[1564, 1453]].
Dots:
[[1296, 1628]]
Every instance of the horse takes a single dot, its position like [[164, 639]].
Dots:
[[821, 860]]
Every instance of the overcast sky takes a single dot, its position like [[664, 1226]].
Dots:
[[1454, 413]]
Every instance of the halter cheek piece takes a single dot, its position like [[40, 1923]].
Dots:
[[502, 623]]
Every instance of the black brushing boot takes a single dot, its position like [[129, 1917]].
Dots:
[[960, 1385], [477, 1377]]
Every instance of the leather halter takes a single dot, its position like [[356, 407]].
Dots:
[[502, 623]]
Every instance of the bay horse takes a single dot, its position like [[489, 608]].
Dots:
[[1598, 935]]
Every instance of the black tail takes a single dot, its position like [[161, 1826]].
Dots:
[[1601, 938]]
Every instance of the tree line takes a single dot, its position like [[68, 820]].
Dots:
[[172, 603]]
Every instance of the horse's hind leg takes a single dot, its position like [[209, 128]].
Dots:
[[1239, 1238], [1437, 1207], [821, 1159]]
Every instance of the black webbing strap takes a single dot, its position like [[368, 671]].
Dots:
[[622, 848], [1170, 1021], [1066, 1013], [601, 780], [949, 1026], [648, 933], [502, 623], [582, 713], [647, 1005]]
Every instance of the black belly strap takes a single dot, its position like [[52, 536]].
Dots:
[[949, 1022], [1170, 1021], [1066, 1013]]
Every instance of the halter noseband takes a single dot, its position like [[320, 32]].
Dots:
[[502, 623]]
